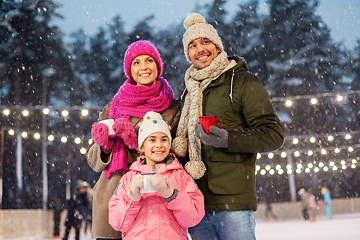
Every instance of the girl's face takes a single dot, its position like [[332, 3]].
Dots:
[[156, 148], [144, 70]]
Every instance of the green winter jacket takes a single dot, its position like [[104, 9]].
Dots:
[[240, 100]]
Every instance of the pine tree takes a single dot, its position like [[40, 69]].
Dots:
[[32, 52], [118, 46], [243, 38], [172, 54], [353, 66], [142, 31], [99, 74]]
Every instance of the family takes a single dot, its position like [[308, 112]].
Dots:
[[202, 183]]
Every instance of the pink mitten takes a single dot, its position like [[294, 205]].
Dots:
[[124, 129], [100, 134], [162, 185], [133, 189]]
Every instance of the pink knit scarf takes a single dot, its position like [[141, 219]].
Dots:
[[134, 100]]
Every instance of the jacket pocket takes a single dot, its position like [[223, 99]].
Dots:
[[226, 178]]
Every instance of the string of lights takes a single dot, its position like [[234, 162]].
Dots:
[[314, 98], [312, 166], [283, 153]]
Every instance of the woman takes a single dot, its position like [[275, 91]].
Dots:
[[144, 90]]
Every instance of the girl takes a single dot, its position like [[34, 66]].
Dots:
[[143, 91], [177, 203], [327, 201]]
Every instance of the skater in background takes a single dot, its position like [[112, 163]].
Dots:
[[88, 218], [58, 207], [77, 209], [327, 201], [309, 205], [268, 212]]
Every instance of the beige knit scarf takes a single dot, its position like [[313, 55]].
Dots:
[[196, 81]]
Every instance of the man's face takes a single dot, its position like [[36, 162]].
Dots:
[[202, 52]]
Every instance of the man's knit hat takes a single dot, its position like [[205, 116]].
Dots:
[[141, 47], [196, 27], [152, 123]]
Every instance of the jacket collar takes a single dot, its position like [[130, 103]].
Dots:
[[171, 163], [240, 66]]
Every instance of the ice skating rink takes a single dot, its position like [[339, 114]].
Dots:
[[340, 227]]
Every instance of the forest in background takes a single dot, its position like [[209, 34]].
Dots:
[[289, 49]]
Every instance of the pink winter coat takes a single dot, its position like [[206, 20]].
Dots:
[[152, 217]]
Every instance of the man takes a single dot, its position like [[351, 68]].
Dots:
[[223, 163]]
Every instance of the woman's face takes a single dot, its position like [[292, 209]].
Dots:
[[144, 70]]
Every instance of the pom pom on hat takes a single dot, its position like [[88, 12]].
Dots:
[[196, 27], [192, 19], [152, 123], [141, 47]]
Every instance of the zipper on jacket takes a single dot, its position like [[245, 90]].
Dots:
[[182, 94], [231, 86], [132, 203]]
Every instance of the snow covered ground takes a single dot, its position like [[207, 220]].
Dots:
[[345, 227], [340, 227]]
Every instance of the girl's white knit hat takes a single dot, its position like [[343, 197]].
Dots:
[[152, 123], [196, 27]]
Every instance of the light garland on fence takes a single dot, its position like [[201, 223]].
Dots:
[[343, 165], [65, 113], [314, 98], [50, 138], [283, 153]]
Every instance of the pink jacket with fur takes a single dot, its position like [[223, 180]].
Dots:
[[152, 217]]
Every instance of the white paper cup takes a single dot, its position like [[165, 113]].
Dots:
[[109, 122], [148, 188]]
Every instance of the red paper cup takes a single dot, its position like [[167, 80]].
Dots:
[[207, 121]]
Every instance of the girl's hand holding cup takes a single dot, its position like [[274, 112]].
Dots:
[[162, 185], [133, 189]]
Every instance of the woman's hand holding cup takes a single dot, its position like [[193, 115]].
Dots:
[[100, 135], [124, 130]]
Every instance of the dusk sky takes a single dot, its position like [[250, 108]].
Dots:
[[342, 17]]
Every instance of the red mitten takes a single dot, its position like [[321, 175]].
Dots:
[[162, 185], [100, 135], [124, 129], [133, 189]]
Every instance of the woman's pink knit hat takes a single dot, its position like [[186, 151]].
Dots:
[[141, 47]]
